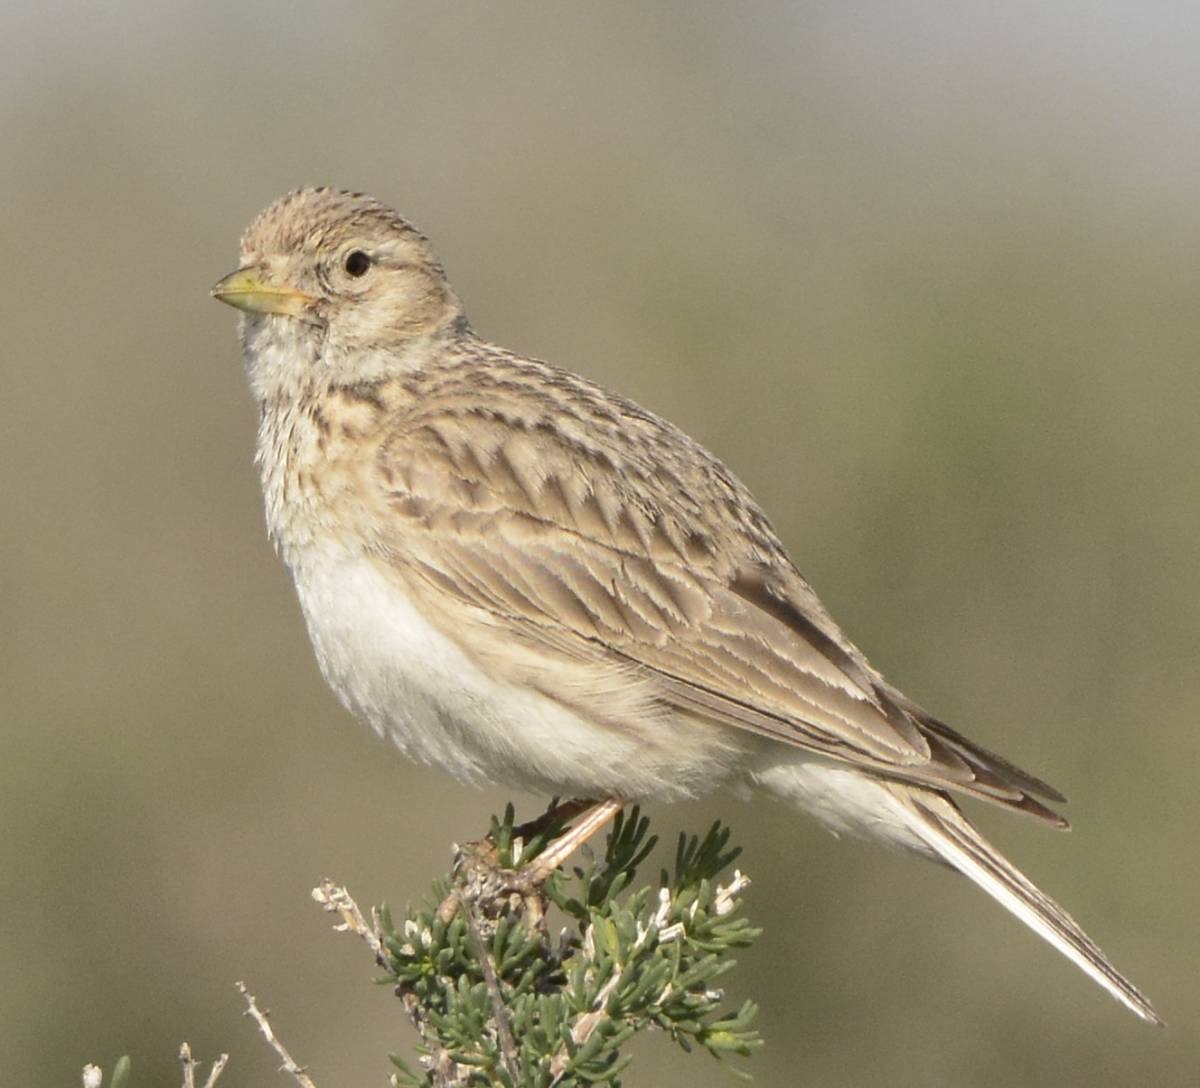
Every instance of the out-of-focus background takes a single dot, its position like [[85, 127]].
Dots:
[[925, 275]]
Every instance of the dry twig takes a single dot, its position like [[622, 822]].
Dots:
[[336, 900], [189, 1067], [289, 1064]]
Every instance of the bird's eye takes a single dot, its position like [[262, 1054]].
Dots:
[[357, 263]]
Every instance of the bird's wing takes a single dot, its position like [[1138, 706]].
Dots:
[[644, 551]]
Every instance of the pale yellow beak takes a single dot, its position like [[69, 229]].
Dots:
[[251, 290]]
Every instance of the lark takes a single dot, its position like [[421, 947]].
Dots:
[[522, 578]]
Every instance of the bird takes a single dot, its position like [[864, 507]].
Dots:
[[524, 579]]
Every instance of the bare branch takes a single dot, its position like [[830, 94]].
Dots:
[[337, 900], [189, 1066], [289, 1064]]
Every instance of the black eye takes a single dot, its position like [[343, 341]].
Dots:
[[357, 263]]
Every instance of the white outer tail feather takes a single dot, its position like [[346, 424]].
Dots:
[[937, 821]]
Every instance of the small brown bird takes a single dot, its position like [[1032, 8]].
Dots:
[[522, 578]]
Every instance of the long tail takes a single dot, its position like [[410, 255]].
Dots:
[[937, 821]]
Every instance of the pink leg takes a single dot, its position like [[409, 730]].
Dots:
[[591, 821]]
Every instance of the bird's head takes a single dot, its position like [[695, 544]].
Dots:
[[338, 284]]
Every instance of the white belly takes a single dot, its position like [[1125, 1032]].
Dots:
[[414, 685]]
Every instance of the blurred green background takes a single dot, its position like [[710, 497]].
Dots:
[[925, 275]]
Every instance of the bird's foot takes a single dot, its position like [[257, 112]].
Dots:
[[479, 876]]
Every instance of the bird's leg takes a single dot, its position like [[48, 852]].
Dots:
[[593, 816], [559, 814], [477, 862]]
